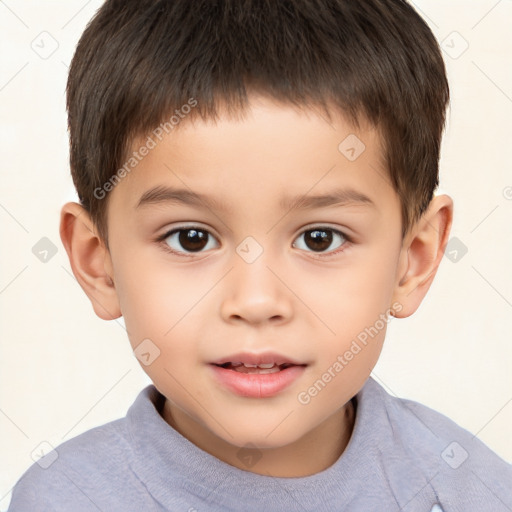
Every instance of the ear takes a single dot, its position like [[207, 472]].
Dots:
[[422, 250], [90, 260]]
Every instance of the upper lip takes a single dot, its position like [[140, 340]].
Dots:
[[257, 359]]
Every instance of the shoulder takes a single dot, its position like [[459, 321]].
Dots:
[[92, 470], [66, 473], [460, 467]]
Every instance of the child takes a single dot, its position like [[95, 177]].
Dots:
[[257, 184]]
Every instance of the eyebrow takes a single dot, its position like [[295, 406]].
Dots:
[[339, 197]]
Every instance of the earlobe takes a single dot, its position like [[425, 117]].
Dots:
[[89, 257], [421, 254]]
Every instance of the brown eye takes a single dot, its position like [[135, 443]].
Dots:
[[189, 240], [320, 239]]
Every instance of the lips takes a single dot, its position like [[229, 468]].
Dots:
[[257, 375]]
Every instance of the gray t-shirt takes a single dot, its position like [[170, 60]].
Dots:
[[402, 456]]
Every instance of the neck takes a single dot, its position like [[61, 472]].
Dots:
[[316, 451]]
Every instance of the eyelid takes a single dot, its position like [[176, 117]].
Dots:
[[319, 225], [342, 231], [190, 225]]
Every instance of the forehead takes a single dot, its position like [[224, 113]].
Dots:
[[273, 150]]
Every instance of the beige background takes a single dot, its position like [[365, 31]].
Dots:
[[64, 371]]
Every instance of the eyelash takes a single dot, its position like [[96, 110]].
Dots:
[[165, 246]]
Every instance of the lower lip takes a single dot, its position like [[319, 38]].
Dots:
[[257, 385]]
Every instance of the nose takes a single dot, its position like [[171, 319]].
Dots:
[[256, 294]]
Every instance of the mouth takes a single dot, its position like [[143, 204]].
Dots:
[[264, 362], [256, 368], [257, 375]]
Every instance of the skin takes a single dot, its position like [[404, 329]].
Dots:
[[302, 303]]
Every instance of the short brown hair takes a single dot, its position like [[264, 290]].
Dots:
[[138, 61]]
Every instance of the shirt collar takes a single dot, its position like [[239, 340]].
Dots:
[[170, 465]]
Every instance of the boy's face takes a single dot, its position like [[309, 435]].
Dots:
[[255, 276]]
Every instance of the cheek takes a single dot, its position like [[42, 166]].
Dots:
[[162, 306], [351, 298], [156, 299], [353, 302]]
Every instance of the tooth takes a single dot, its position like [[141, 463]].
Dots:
[[269, 365], [247, 365], [269, 370], [236, 364]]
